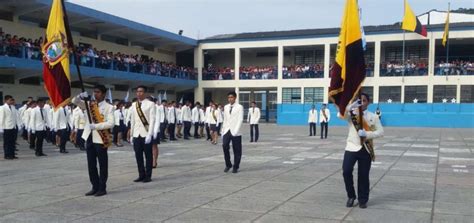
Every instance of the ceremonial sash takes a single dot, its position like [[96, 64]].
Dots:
[[141, 115], [104, 134], [324, 114], [368, 143]]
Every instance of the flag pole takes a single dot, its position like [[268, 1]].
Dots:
[[447, 44], [403, 50], [74, 56]]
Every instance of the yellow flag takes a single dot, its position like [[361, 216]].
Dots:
[[411, 23], [446, 30]]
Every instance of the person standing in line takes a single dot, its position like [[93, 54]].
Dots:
[[233, 118], [172, 119], [196, 114], [213, 122], [26, 122], [312, 120], [164, 121], [60, 120], [179, 120], [38, 124], [202, 121], [97, 137], [142, 126], [208, 120], [9, 120], [118, 124], [221, 119], [324, 117], [253, 119], [156, 133], [78, 127], [187, 118], [359, 148]]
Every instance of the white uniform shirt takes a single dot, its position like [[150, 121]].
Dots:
[[179, 115], [202, 116], [9, 118], [38, 120], [253, 116], [118, 116], [105, 109], [312, 116], [195, 114], [161, 110], [172, 115], [137, 129], [79, 119], [321, 116], [158, 119], [353, 139], [60, 118], [186, 114], [25, 118], [233, 120]]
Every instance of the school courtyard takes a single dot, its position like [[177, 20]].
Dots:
[[420, 175]]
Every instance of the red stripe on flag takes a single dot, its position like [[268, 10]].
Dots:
[[57, 84]]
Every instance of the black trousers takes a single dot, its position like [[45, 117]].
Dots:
[[79, 140], [208, 131], [312, 129], [236, 147], [9, 142], [63, 137], [32, 140], [38, 141], [171, 130], [254, 134], [187, 129], [96, 152], [144, 168], [196, 129], [324, 129], [24, 133], [363, 160], [163, 126], [115, 132]]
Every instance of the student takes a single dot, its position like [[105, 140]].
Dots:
[[312, 119], [233, 118], [253, 118]]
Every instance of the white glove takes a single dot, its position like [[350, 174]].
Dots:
[[55, 130], [92, 126], [131, 142], [33, 131], [362, 133], [355, 104], [148, 139], [83, 95], [1, 130]]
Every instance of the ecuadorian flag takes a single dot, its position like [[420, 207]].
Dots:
[[348, 71], [411, 23], [57, 79]]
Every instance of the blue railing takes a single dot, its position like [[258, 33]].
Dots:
[[156, 68]]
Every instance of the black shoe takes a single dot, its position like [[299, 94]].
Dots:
[[100, 193], [91, 193], [147, 180], [363, 206], [140, 179], [251, 140], [14, 157], [65, 151], [42, 154], [227, 169], [8, 158], [186, 138], [350, 202], [235, 170]]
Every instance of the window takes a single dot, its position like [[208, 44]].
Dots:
[[291, 95], [313, 95], [467, 93], [369, 91], [444, 92], [415, 93], [392, 93]]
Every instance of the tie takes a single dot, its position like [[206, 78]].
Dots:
[[41, 111], [253, 110], [231, 107], [174, 111]]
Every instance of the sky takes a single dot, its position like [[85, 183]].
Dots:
[[204, 18]]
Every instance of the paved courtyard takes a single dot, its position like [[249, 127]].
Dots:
[[420, 175]]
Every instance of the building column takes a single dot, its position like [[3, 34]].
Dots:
[[377, 56], [281, 55], [376, 94], [402, 93], [327, 59], [198, 62], [429, 93], [302, 95], [431, 55], [199, 95], [237, 64], [279, 95], [326, 95], [458, 93], [238, 93]]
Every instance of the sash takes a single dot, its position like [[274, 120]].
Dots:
[[214, 115], [324, 114], [368, 143], [96, 117], [141, 115]]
